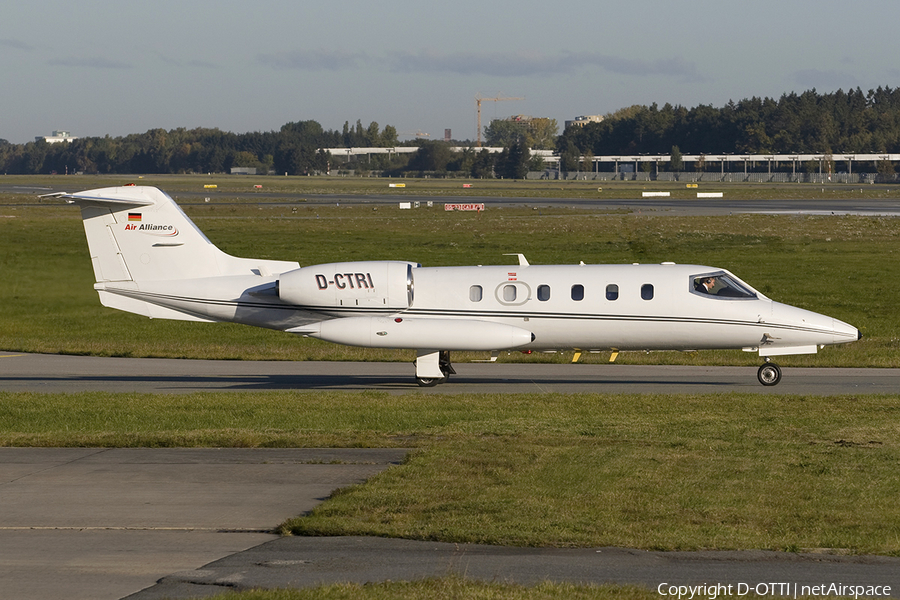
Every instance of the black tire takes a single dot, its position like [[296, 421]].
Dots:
[[769, 374], [429, 381]]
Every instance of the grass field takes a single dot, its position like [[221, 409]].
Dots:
[[456, 588], [667, 472], [451, 588], [840, 266]]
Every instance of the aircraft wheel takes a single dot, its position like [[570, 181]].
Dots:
[[429, 381], [769, 374]]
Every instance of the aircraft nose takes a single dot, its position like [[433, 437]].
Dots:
[[812, 328], [844, 332]]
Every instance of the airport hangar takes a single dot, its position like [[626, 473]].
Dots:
[[551, 159]]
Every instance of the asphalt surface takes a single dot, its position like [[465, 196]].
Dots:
[[95, 523], [52, 373], [150, 524], [303, 562], [667, 206]]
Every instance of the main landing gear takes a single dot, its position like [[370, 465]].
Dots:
[[429, 364], [434, 367], [769, 374]]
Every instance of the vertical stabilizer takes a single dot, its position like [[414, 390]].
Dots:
[[140, 234]]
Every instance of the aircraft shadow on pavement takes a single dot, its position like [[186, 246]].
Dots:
[[249, 382]]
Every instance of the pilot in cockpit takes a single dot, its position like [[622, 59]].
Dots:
[[705, 285], [721, 285]]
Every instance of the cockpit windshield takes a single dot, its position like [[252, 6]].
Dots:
[[721, 285]]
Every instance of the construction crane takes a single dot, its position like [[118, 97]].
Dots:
[[478, 100]]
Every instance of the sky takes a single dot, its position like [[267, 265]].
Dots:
[[97, 67]]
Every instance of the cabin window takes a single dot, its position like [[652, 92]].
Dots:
[[647, 291], [543, 293], [509, 293], [720, 285], [578, 292], [475, 293], [612, 292]]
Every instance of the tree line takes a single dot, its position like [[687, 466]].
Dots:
[[294, 149], [810, 122]]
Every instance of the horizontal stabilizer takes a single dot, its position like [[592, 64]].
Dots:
[[115, 299], [123, 199]]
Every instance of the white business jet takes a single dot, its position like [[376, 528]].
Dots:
[[150, 259]]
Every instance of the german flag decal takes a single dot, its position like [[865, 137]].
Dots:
[[134, 216]]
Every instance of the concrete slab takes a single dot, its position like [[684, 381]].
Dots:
[[104, 523], [75, 564]]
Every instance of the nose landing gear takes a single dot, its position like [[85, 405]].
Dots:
[[769, 374]]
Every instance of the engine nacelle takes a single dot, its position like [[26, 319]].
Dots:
[[381, 284]]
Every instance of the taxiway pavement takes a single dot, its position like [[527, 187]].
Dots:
[[848, 205], [150, 524], [304, 562], [53, 373], [102, 523]]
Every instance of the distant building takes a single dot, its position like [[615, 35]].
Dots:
[[243, 170], [584, 120], [58, 136]]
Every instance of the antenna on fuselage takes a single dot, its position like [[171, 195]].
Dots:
[[522, 260]]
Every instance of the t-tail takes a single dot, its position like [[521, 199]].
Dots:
[[149, 258]]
